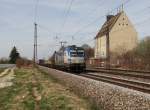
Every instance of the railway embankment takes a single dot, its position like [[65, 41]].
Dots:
[[102, 95]]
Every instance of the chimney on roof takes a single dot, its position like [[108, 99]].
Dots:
[[109, 17]]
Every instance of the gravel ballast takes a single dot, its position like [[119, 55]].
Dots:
[[102, 95]]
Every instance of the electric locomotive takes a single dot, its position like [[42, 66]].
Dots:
[[71, 58]]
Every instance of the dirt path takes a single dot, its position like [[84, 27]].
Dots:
[[6, 77]]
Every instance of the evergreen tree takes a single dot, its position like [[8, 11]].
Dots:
[[14, 55]]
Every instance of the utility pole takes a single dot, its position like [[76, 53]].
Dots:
[[35, 44], [107, 45], [62, 43]]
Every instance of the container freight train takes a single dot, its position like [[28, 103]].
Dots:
[[71, 58]]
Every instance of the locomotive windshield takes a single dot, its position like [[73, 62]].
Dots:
[[77, 53], [73, 54]]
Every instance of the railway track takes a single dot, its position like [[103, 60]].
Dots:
[[111, 76], [123, 70], [132, 84], [118, 70], [129, 73]]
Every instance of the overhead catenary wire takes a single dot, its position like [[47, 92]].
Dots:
[[119, 8], [86, 26], [80, 30], [82, 33], [97, 19], [139, 11], [124, 28], [99, 4], [66, 15], [135, 24], [36, 11], [118, 30], [44, 28]]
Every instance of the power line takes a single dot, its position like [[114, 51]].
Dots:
[[80, 29], [94, 10], [137, 12], [91, 23], [66, 15], [36, 10], [97, 19], [86, 26], [119, 7], [127, 2], [138, 23], [44, 28]]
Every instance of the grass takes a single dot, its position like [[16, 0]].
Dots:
[[29, 85], [91, 104], [2, 69]]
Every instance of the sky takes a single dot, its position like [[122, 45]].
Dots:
[[74, 21]]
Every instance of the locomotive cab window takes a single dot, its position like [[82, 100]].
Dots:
[[80, 54], [73, 54], [77, 54]]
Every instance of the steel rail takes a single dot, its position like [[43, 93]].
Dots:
[[135, 85], [121, 73], [123, 70]]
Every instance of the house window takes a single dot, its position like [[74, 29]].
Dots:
[[123, 18], [127, 24]]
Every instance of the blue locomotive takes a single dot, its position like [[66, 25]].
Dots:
[[71, 58]]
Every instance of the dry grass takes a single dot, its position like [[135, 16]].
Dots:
[[35, 90], [1, 70]]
